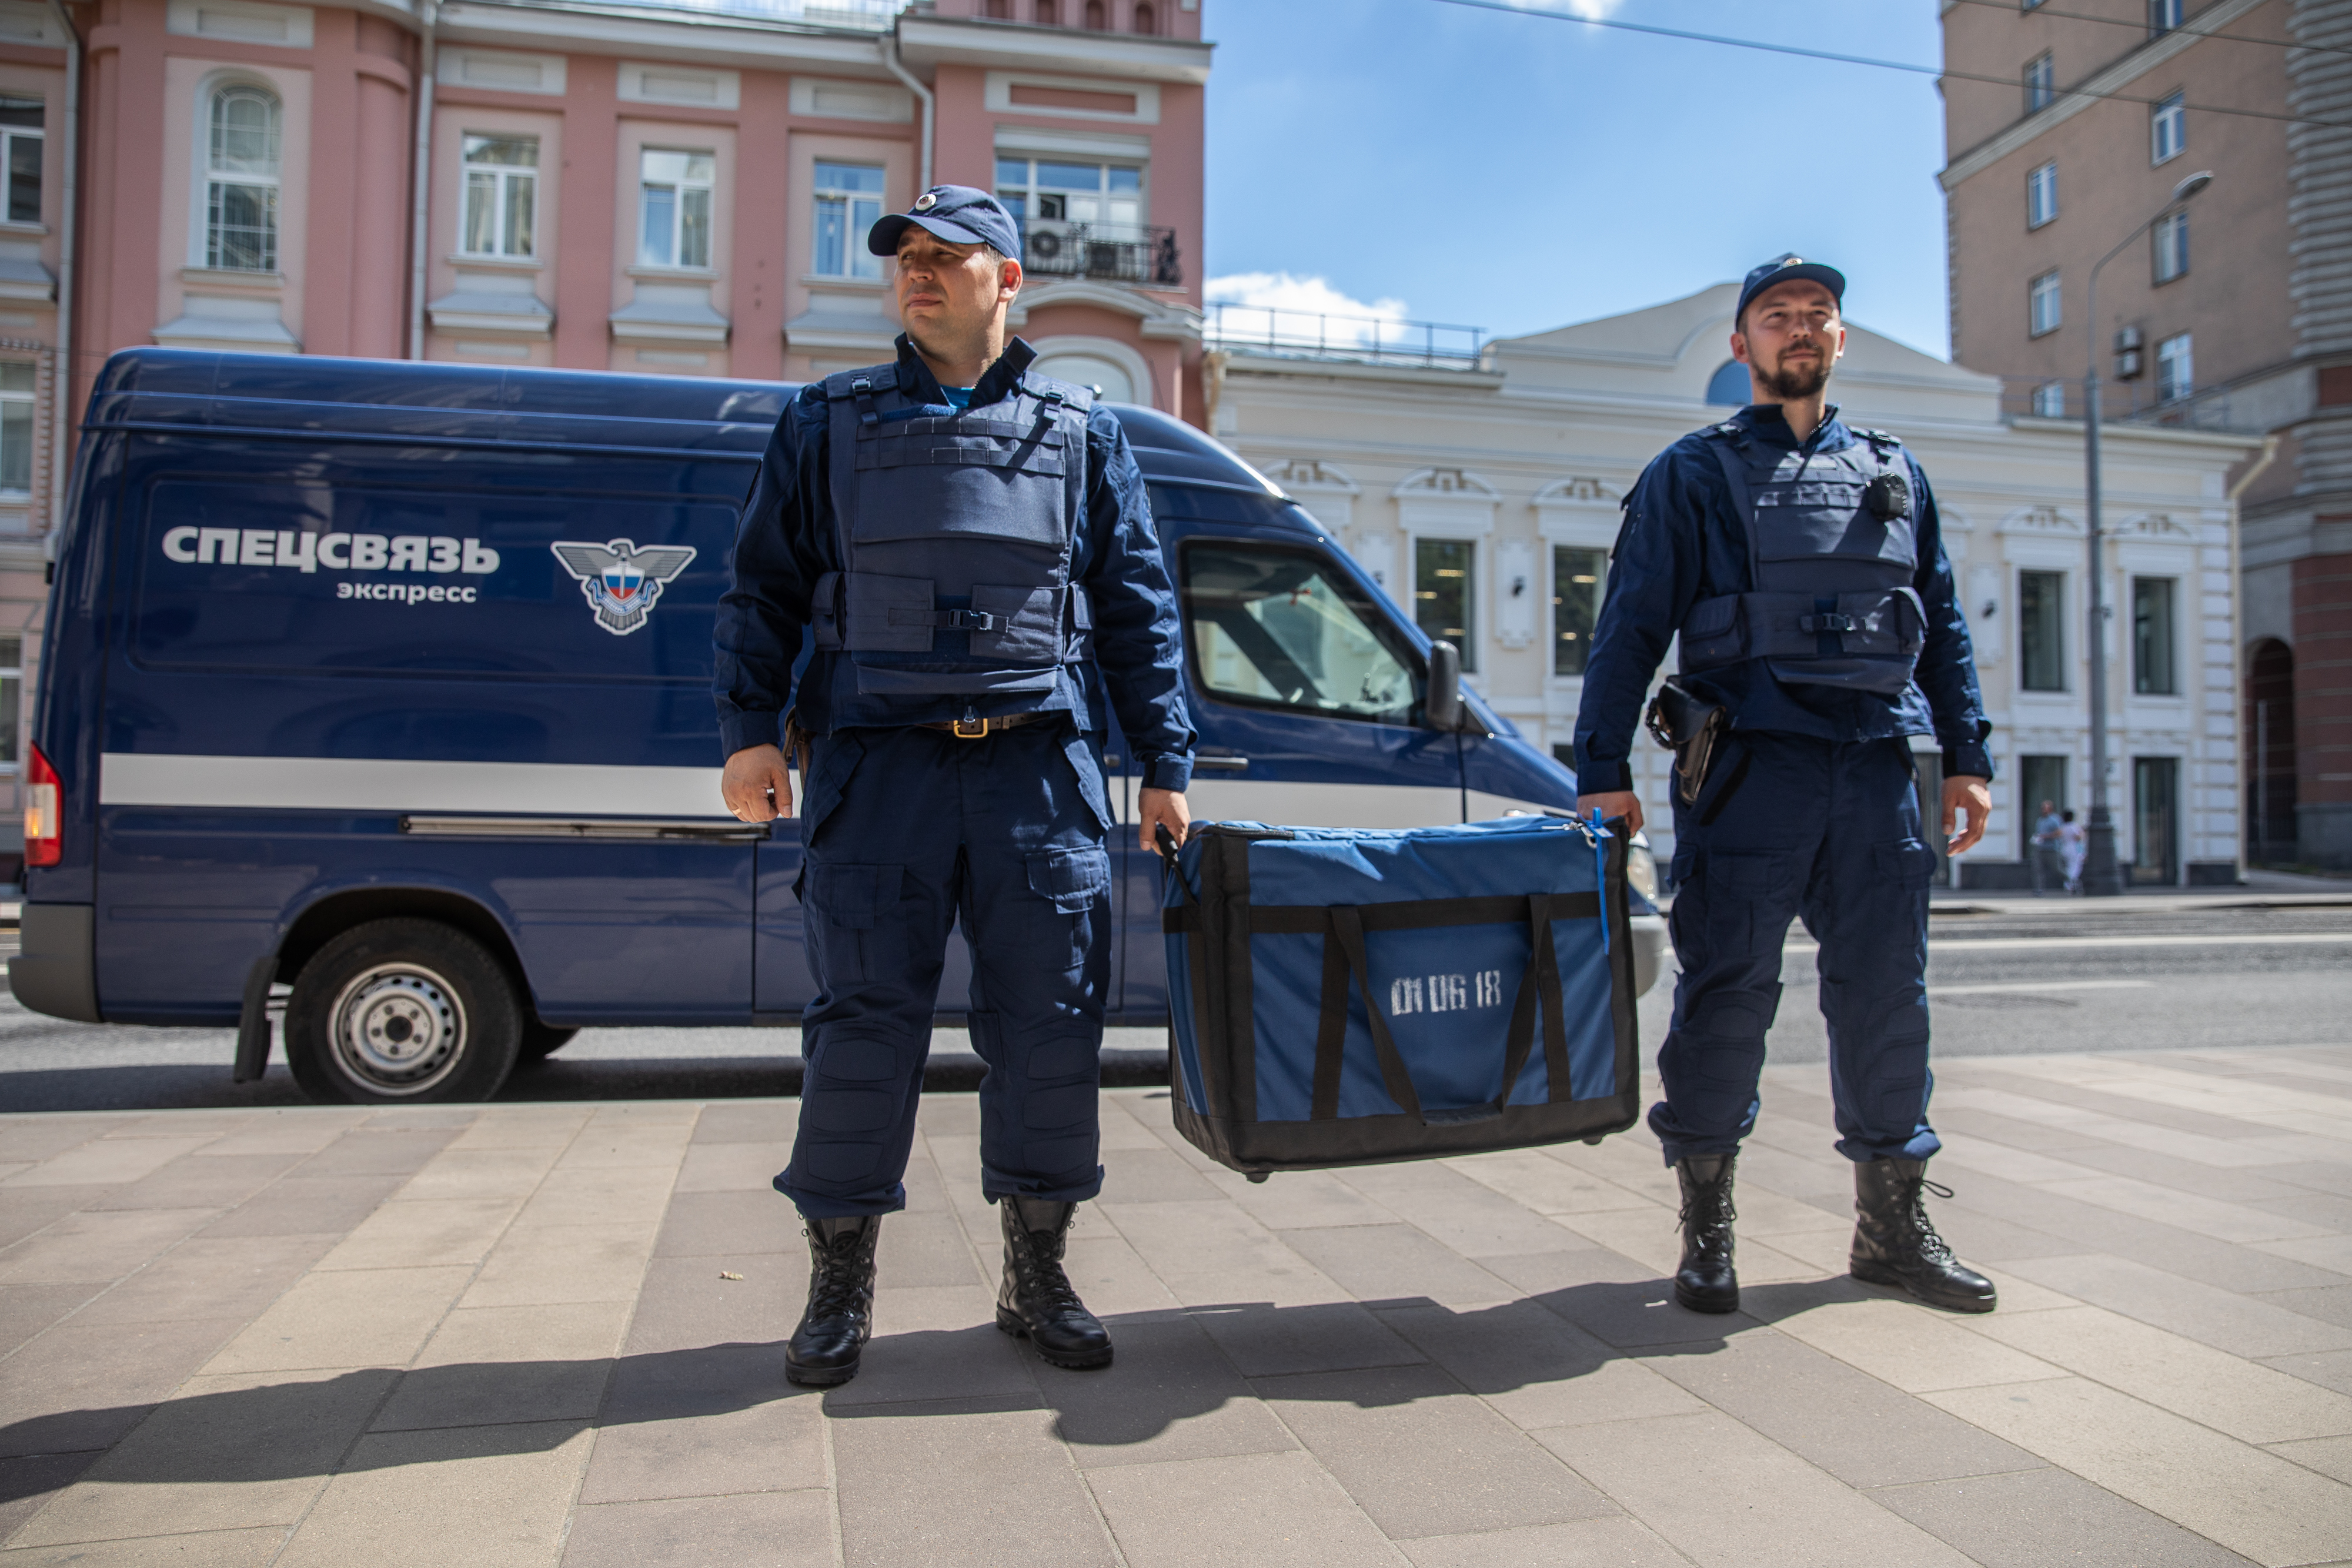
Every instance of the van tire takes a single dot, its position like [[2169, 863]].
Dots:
[[402, 1012], [542, 1040]]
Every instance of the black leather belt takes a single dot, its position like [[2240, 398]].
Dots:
[[981, 728]]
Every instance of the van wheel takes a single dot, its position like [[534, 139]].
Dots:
[[542, 1040], [401, 1012]]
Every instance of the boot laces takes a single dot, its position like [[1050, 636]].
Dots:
[[839, 1287], [1933, 1247], [1709, 1208], [1049, 1285]]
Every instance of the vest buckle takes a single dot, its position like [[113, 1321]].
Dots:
[[1828, 622], [979, 730]]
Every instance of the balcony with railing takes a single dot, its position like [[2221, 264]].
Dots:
[[1273, 333], [1140, 254]]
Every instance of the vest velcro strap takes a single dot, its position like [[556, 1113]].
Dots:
[[946, 620], [1824, 621]]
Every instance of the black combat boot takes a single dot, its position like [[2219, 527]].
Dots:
[[824, 1349], [1895, 1243], [1035, 1301], [1707, 1282]]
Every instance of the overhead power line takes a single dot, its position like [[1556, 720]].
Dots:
[[2188, 27], [1546, 15]]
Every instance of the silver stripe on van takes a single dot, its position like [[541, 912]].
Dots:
[[540, 789], [622, 827]]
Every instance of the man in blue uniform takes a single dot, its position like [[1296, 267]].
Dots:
[[1801, 564], [969, 542]]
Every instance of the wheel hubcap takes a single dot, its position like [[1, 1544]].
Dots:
[[398, 1029]]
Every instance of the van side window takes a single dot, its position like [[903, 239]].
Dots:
[[1280, 628]]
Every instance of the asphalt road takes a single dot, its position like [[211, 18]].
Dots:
[[2061, 975]]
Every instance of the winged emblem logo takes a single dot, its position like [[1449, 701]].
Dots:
[[621, 582]]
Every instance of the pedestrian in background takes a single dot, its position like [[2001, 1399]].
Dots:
[[1802, 564], [970, 543], [2049, 865], [2072, 847]]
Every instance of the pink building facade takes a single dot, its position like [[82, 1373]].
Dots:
[[645, 188]]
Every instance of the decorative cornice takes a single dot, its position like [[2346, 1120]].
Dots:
[[927, 42]]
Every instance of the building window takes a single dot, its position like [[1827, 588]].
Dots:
[[241, 183], [999, 10], [2163, 16], [2040, 83], [2039, 779], [1097, 16], [2176, 368], [2153, 674], [1073, 193], [11, 697], [2042, 312], [1576, 577], [2168, 129], [2042, 630], [2041, 195], [502, 195], [2049, 400], [20, 160], [848, 205], [1145, 21], [2171, 233], [1729, 386], [674, 207], [1049, 13], [16, 429], [1441, 593]]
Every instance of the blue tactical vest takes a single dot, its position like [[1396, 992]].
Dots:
[[956, 531], [1831, 562]]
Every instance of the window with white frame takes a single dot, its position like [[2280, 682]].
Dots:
[[2163, 16], [1442, 605], [2168, 129], [2042, 630], [16, 379], [1576, 580], [2040, 82], [2176, 368], [11, 698], [244, 128], [2041, 195], [848, 205], [2049, 400], [502, 195], [2153, 635], [1062, 190], [2172, 238], [20, 159], [674, 206], [2043, 314]]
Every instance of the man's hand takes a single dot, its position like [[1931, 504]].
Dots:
[[1612, 805], [756, 787], [1974, 796], [1153, 807]]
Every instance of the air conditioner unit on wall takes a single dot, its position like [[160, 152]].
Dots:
[[1050, 246], [2127, 355]]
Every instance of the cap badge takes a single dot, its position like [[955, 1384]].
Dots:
[[1792, 261], [927, 201]]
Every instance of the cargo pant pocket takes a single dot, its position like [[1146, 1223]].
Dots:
[[832, 759], [851, 935], [1075, 884]]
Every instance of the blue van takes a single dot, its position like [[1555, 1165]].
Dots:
[[383, 690]]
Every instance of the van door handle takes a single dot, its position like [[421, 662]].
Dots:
[[1221, 765]]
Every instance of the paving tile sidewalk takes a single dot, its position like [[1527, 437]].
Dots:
[[548, 1335]]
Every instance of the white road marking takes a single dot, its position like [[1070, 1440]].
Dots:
[[2041, 986], [2052, 944]]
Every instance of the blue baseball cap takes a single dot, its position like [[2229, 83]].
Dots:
[[956, 214], [1789, 269]]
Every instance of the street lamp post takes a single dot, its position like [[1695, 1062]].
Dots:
[[2102, 873]]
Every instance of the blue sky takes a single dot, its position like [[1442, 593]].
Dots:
[[1519, 174]]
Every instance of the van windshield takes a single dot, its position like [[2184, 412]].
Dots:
[[1277, 627]]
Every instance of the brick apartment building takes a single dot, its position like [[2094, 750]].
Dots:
[[2232, 313], [652, 187]]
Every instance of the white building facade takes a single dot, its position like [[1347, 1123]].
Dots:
[[1484, 493]]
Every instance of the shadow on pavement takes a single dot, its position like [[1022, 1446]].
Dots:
[[1172, 1366]]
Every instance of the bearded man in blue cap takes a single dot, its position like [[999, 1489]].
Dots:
[[969, 544], [1802, 566]]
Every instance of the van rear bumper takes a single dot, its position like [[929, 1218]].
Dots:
[[57, 973]]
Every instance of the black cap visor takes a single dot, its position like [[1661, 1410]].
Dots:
[[883, 239]]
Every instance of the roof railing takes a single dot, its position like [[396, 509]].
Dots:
[[1279, 333]]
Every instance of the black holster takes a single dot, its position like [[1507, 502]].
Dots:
[[1692, 728]]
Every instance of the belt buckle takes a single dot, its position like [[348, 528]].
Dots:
[[978, 731]]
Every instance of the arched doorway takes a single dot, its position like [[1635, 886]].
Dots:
[[2269, 754], [1730, 387], [1120, 374]]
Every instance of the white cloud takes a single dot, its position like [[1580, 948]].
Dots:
[[1284, 293]]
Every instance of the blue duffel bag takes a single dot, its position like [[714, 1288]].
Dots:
[[1346, 997]]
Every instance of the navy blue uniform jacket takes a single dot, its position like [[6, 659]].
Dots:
[[787, 540], [1682, 541]]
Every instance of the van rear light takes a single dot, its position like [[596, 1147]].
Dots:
[[42, 844]]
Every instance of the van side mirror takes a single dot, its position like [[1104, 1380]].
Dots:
[[1444, 700]]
